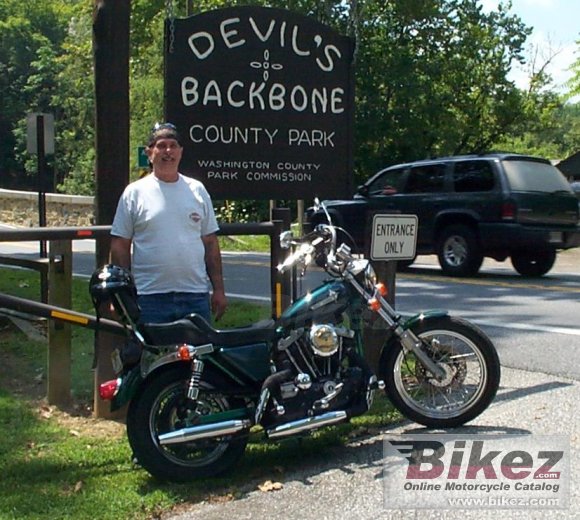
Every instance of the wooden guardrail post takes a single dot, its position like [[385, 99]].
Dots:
[[105, 345], [59, 334]]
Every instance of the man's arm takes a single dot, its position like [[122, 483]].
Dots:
[[121, 251], [213, 264]]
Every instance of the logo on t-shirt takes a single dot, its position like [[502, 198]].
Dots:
[[196, 217]]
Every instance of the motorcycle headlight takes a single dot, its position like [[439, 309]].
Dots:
[[370, 278]]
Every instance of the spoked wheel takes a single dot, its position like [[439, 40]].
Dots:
[[163, 408], [471, 380]]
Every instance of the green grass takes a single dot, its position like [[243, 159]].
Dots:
[[25, 284], [260, 243], [49, 470], [50, 473]]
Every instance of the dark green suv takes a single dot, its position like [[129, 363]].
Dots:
[[470, 207]]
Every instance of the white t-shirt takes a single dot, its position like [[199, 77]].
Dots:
[[165, 221]]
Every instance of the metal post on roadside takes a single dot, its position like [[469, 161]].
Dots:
[[40, 142], [386, 271], [41, 172], [282, 289]]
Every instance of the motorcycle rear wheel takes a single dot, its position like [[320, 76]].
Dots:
[[159, 409], [472, 374]]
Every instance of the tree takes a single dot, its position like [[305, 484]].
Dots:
[[29, 35], [549, 125], [431, 79], [574, 83]]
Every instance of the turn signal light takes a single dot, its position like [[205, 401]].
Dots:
[[108, 389], [184, 353], [381, 288], [374, 304]]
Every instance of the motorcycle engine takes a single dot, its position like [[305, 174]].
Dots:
[[323, 375]]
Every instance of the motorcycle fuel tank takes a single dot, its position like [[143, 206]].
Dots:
[[321, 304]]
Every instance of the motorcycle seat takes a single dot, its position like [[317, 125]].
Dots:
[[195, 330]]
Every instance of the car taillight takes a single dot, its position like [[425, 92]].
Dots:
[[108, 389], [508, 211]]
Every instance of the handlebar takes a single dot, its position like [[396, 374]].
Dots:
[[322, 235], [300, 255]]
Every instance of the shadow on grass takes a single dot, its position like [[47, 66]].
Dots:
[[296, 458]]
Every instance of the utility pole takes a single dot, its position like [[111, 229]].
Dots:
[[111, 20], [111, 54]]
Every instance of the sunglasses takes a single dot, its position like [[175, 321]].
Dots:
[[164, 126]]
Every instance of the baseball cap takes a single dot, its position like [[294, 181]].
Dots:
[[164, 130]]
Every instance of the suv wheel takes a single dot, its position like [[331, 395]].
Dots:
[[459, 251], [533, 263]]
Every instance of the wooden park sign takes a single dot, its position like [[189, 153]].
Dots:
[[264, 100]]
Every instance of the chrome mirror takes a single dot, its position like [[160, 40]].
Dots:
[[286, 239]]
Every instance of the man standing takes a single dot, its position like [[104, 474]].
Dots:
[[170, 222]]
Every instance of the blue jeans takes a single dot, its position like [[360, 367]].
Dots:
[[166, 307]]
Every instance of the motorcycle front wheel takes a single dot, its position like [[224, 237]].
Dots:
[[472, 374], [163, 407]]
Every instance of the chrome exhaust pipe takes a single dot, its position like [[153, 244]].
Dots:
[[309, 423], [204, 431]]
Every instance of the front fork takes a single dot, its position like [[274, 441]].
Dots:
[[412, 343], [409, 340]]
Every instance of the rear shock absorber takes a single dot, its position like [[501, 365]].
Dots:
[[196, 371]]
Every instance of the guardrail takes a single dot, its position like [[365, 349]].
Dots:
[[56, 288]]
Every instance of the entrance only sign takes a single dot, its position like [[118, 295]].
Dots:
[[394, 237]]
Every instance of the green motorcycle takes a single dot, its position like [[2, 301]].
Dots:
[[194, 392]]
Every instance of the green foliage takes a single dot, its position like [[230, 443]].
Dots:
[[431, 79], [574, 83], [556, 135], [259, 243], [414, 97]]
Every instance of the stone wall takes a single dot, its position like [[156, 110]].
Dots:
[[20, 208]]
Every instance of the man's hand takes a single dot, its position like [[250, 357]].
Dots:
[[213, 263], [219, 304]]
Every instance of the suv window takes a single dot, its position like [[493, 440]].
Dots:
[[387, 183], [473, 176], [534, 176], [428, 178]]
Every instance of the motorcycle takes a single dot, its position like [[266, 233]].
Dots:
[[194, 392]]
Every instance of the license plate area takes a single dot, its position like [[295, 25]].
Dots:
[[555, 237]]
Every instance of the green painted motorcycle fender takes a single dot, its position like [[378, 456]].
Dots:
[[423, 316], [130, 383], [409, 323], [133, 381]]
